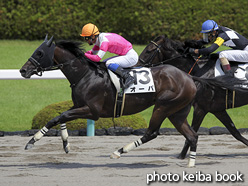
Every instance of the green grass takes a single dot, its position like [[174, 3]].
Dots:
[[238, 115], [20, 100]]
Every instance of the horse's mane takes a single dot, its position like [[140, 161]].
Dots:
[[170, 44], [75, 47]]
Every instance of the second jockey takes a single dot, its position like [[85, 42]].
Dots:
[[113, 43], [223, 36]]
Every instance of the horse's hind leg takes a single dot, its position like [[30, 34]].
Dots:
[[157, 118], [198, 117], [179, 120]]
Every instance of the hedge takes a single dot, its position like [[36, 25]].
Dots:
[[135, 121], [137, 20]]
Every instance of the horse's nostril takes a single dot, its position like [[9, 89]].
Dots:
[[23, 71]]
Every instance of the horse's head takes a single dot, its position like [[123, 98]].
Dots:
[[152, 52], [161, 48], [40, 59]]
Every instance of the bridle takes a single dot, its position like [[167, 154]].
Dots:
[[156, 52], [39, 69]]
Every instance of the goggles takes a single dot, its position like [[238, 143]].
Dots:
[[87, 38]]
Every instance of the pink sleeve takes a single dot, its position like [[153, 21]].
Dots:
[[95, 48], [95, 58], [89, 52]]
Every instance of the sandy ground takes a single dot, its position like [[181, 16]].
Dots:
[[88, 162]]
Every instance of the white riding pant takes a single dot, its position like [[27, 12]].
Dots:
[[235, 55], [128, 60]]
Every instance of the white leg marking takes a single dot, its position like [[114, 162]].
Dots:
[[192, 156], [40, 133], [131, 146], [64, 133]]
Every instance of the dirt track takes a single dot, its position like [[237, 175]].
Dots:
[[89, 162]]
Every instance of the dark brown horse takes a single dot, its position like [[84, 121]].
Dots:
[[163, 50], [93, 93]]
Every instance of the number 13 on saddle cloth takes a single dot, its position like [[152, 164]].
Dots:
[[143, 81]]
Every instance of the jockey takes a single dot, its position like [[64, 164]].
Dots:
[[112, 43], [227, 37]]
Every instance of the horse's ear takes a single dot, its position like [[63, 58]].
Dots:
[[46, 38], [50, 41]]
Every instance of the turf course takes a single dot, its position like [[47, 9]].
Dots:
[[21, 99]]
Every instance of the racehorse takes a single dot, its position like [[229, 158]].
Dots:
[[93, 93], [163, 50]]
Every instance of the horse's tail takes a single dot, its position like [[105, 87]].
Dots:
[[224, 81]]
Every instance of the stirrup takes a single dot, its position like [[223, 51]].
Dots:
[[130, 80]]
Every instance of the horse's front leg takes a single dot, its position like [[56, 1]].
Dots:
[[227, 121], [41, 133], [64, 137], [82, 112], [198, 117]]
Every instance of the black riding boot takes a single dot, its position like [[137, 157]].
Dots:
[[128, 79]]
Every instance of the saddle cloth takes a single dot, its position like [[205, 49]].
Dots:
[[143, 81]]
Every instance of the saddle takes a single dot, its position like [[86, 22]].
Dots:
[[240, 69]]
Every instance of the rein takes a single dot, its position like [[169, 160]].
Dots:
[[162, 62]]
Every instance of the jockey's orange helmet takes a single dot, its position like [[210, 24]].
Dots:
[[89, 30]]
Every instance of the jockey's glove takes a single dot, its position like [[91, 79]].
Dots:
[[191, 50]]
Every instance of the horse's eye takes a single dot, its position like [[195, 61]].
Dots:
[[39, 54]]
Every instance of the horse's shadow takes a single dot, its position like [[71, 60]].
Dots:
[[137, 165], [86, 165]]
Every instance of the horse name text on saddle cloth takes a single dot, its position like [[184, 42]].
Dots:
[[143, 81]]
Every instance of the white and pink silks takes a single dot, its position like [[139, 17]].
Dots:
[[116, 44]]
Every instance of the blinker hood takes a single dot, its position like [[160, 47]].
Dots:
[[43, 55]]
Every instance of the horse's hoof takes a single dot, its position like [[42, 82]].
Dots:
[[29, 146], [191, 166], [66, 146], [115, 155], [181, 157]]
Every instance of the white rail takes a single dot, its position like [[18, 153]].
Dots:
[[14, 74]]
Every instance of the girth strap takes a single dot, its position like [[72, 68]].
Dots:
[[230, 99]]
